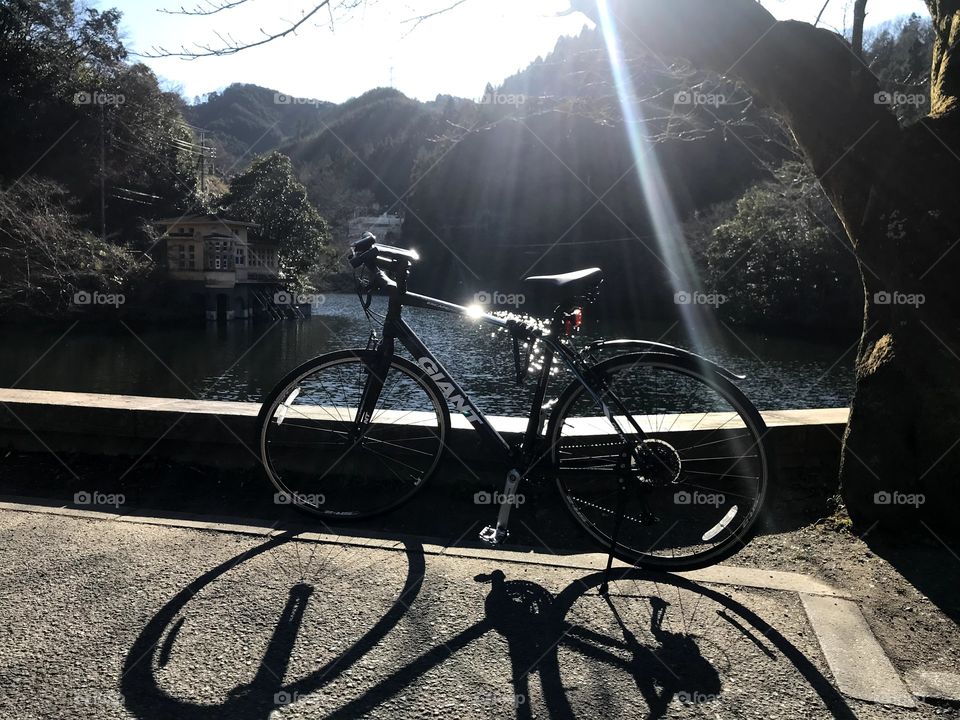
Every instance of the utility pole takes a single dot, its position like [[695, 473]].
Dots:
[[103, 198], [203, 166]]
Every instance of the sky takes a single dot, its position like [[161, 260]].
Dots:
[[376, 45]]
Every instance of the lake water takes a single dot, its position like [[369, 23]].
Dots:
[[242, 361]]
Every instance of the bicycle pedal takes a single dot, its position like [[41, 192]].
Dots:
[[494, 535]]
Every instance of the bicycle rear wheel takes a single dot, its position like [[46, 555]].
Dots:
[[694, 496], [322, 461]]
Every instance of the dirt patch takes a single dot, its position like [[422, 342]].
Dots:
[[907, 583]]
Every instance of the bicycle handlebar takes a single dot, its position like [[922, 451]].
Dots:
[[365, 242], [363, 258], [367, 251]]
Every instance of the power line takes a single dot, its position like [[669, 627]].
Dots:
[[198, 129], [178, 141], [135, 192], [132, 200], [579, 242]]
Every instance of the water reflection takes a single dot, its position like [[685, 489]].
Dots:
[[241, 361]]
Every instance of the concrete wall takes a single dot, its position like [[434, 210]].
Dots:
[[222, 434]]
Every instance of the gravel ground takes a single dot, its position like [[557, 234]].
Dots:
[[106, 619], [78, 593]]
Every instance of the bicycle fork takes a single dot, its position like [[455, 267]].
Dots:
[[372, 387]]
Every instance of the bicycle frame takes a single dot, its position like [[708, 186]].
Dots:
[[520, 459], [396, 329], [631, 461]]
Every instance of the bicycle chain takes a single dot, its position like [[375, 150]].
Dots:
[[606, 510]]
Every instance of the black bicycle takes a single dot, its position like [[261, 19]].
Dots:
[[655, 451]]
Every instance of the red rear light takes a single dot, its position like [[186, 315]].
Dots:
[[572, 321]]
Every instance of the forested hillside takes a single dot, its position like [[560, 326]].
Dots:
[[537, 175], [247, 120]]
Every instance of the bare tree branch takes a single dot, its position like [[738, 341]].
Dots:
[[211, 8], [231, 46], [421, 18], [820, 14]]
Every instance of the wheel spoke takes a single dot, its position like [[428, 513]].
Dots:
[[699, 431], [319, 451]]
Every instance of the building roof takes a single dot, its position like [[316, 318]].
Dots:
[[207, 219]]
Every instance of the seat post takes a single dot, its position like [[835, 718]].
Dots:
[[556, 323]]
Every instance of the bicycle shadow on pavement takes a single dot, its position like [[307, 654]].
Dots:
[[534, 624], [146, 699], [524, 614], [562, 650]]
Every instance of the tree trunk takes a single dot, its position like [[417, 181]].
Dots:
[[859, 20], [895, 191]]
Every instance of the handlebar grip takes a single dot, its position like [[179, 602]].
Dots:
[[363, 258], [364, 243]]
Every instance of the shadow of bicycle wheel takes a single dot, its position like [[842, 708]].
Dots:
[[655, 641], [690, 661], [146, 697], [660, 658]]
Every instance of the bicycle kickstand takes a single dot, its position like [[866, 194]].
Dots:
[[604, 588]]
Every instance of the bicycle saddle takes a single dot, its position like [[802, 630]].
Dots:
[[577, 282]]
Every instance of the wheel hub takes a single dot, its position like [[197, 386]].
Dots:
[[658, 462]]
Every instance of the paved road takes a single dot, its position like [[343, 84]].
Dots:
[[114, 619]]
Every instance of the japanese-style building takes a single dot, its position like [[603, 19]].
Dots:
[[235, 277]]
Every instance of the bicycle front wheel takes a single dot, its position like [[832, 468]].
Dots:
[[693, 493], [323, 461]]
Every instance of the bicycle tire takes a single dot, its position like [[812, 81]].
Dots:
[[339, 510], [731, 540]]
